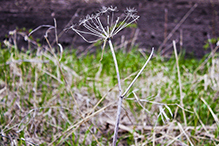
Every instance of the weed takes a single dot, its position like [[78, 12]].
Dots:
[[95, 27]]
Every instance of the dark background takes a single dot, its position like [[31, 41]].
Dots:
[[201, 24]]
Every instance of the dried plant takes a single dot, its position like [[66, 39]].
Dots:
[[104, 25]]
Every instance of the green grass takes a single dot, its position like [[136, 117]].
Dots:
[[37, 105]]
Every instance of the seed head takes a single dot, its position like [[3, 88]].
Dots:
[[108, 9], [103, 25]]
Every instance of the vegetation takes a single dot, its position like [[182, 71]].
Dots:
[[37, 106], [50, 97]]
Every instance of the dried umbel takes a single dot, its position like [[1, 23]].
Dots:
[[104, 24]]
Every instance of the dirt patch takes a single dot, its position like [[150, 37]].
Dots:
[[203, 22]]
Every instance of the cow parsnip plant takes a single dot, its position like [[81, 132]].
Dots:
[[104, 25]]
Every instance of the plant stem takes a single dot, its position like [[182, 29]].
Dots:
[[116, 66], [139, 73], [117, 120], [120, 93]]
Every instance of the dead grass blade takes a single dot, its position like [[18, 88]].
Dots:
[[180, 84], [184, 132]]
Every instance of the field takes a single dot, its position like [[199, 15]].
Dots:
[[72, 101], [53, 94]]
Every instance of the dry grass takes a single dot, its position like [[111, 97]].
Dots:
[[38, 97], [49, 98]]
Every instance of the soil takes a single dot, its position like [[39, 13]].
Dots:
[[157, 19]]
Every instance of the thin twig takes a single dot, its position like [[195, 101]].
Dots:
[[61, 33], [49, 26], [166, 21]]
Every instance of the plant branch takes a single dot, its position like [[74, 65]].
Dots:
[[139, 73]]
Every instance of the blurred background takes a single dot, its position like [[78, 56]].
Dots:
[[69, 97], [190, 22]]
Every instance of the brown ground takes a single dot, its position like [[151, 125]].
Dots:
[[202, 23]]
